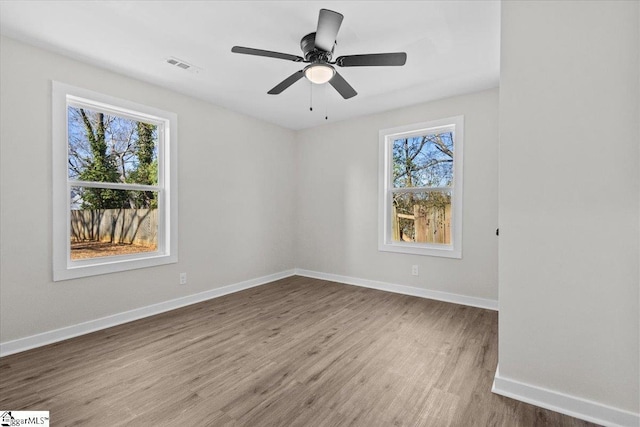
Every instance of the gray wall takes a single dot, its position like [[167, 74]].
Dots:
[[569, 187], [337, 205], [235, 187]]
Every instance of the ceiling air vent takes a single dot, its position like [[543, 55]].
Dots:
[[180, 63]]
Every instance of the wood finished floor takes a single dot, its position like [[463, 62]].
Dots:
[[296, 352]]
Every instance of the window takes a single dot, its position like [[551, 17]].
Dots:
[[114, 184], [420, 188]]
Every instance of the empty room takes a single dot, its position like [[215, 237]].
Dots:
[[302, 213]]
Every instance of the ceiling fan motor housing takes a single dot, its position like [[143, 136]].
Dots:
[[311, 54]]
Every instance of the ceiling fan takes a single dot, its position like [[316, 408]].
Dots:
[[317, 49]]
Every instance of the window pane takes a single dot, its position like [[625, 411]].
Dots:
[[423, 217], [423, 161], [108, 148], [107, 222]]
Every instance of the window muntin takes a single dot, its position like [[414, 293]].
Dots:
[[420, 188], [115, 175]]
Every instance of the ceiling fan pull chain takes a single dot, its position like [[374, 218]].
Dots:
[[326, 104], [310, 96]]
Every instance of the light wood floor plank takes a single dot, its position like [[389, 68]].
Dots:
[[296, 352]]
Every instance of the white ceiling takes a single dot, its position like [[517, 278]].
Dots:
[[452, 47]]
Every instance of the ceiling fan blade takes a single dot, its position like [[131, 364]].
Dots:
[[267, 53], [341, 85], [328, 25], [372, 59], [286, 83]]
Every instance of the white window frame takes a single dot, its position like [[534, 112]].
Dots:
[[386, 189], [64, 268]]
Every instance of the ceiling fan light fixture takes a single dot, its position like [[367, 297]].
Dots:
[[319, 73]]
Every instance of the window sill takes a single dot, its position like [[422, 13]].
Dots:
[[77, 269], [443, 251]]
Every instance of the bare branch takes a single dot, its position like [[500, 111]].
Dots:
[[441, 146]]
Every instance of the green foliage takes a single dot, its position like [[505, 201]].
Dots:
[[147, 170], [101, 167], [108, 148], [146, 142], [145, 174]]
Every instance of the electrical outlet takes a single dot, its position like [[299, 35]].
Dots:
[[183, 278], [414, 270]]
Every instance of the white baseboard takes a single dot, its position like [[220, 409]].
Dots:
[[538, 396], [565, 404], [402, 289], [50, 337]]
